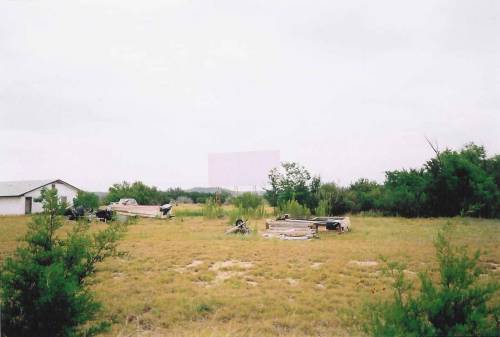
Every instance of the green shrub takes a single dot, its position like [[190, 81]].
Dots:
[[86, 200], [323, 208], [455, 306], [241, 213], [248, 200], [212, 209], [292, 181], [43, 288], [294, 209]]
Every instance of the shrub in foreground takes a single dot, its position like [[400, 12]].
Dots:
[[43, 288], [457, 305]]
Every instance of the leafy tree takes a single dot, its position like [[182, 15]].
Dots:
[[143, 194], [459, 184], [86, 200], [293, 182], [339, 200], [405, 192], [146, 195], [367, 195], [457, 305], [274, 182], [43, 288]]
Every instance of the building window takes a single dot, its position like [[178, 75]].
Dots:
[[64, 199], [53, 186]]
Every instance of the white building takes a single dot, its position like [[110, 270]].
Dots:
[[20, 197]]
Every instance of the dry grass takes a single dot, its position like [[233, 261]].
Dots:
[[184, 277]]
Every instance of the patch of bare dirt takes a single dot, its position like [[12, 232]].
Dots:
[[194, 263], [231, 264], [363, 263], [316, 265]]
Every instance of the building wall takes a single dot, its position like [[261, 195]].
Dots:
[[11, 205], [63, 190]]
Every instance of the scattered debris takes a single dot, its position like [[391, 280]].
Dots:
[[166, 210], [340, 224], [303, 229], [290, 229], [104, 214], [77, 213], [240, 227], [74, 213]]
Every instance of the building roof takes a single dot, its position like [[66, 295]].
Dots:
[[18, 188]]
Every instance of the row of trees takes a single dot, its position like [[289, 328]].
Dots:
[[146, 195], [464, 182]]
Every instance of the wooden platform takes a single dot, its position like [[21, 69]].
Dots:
[[290, 229]]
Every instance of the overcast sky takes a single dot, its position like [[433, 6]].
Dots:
[[100, 91]]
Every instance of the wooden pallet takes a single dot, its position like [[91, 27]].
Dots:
[[290, 229]]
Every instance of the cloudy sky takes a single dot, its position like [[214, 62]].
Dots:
[[101, 91]]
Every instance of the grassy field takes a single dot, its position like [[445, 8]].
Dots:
[[184, 277]]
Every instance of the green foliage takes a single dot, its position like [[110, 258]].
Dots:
[[323, 208], [212, 209], [247, 200], [337, 200], [143, 194], [246, 213], [43, 289], [405, 193], [86, 200], [457, 305], [366, 195], [459, 183], [146, 195], [294, 209], [464, 182], [293, 182]]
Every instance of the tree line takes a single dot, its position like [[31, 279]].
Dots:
[[454, 182], [146, 195]]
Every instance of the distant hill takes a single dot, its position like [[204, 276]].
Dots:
[[209, 190]]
